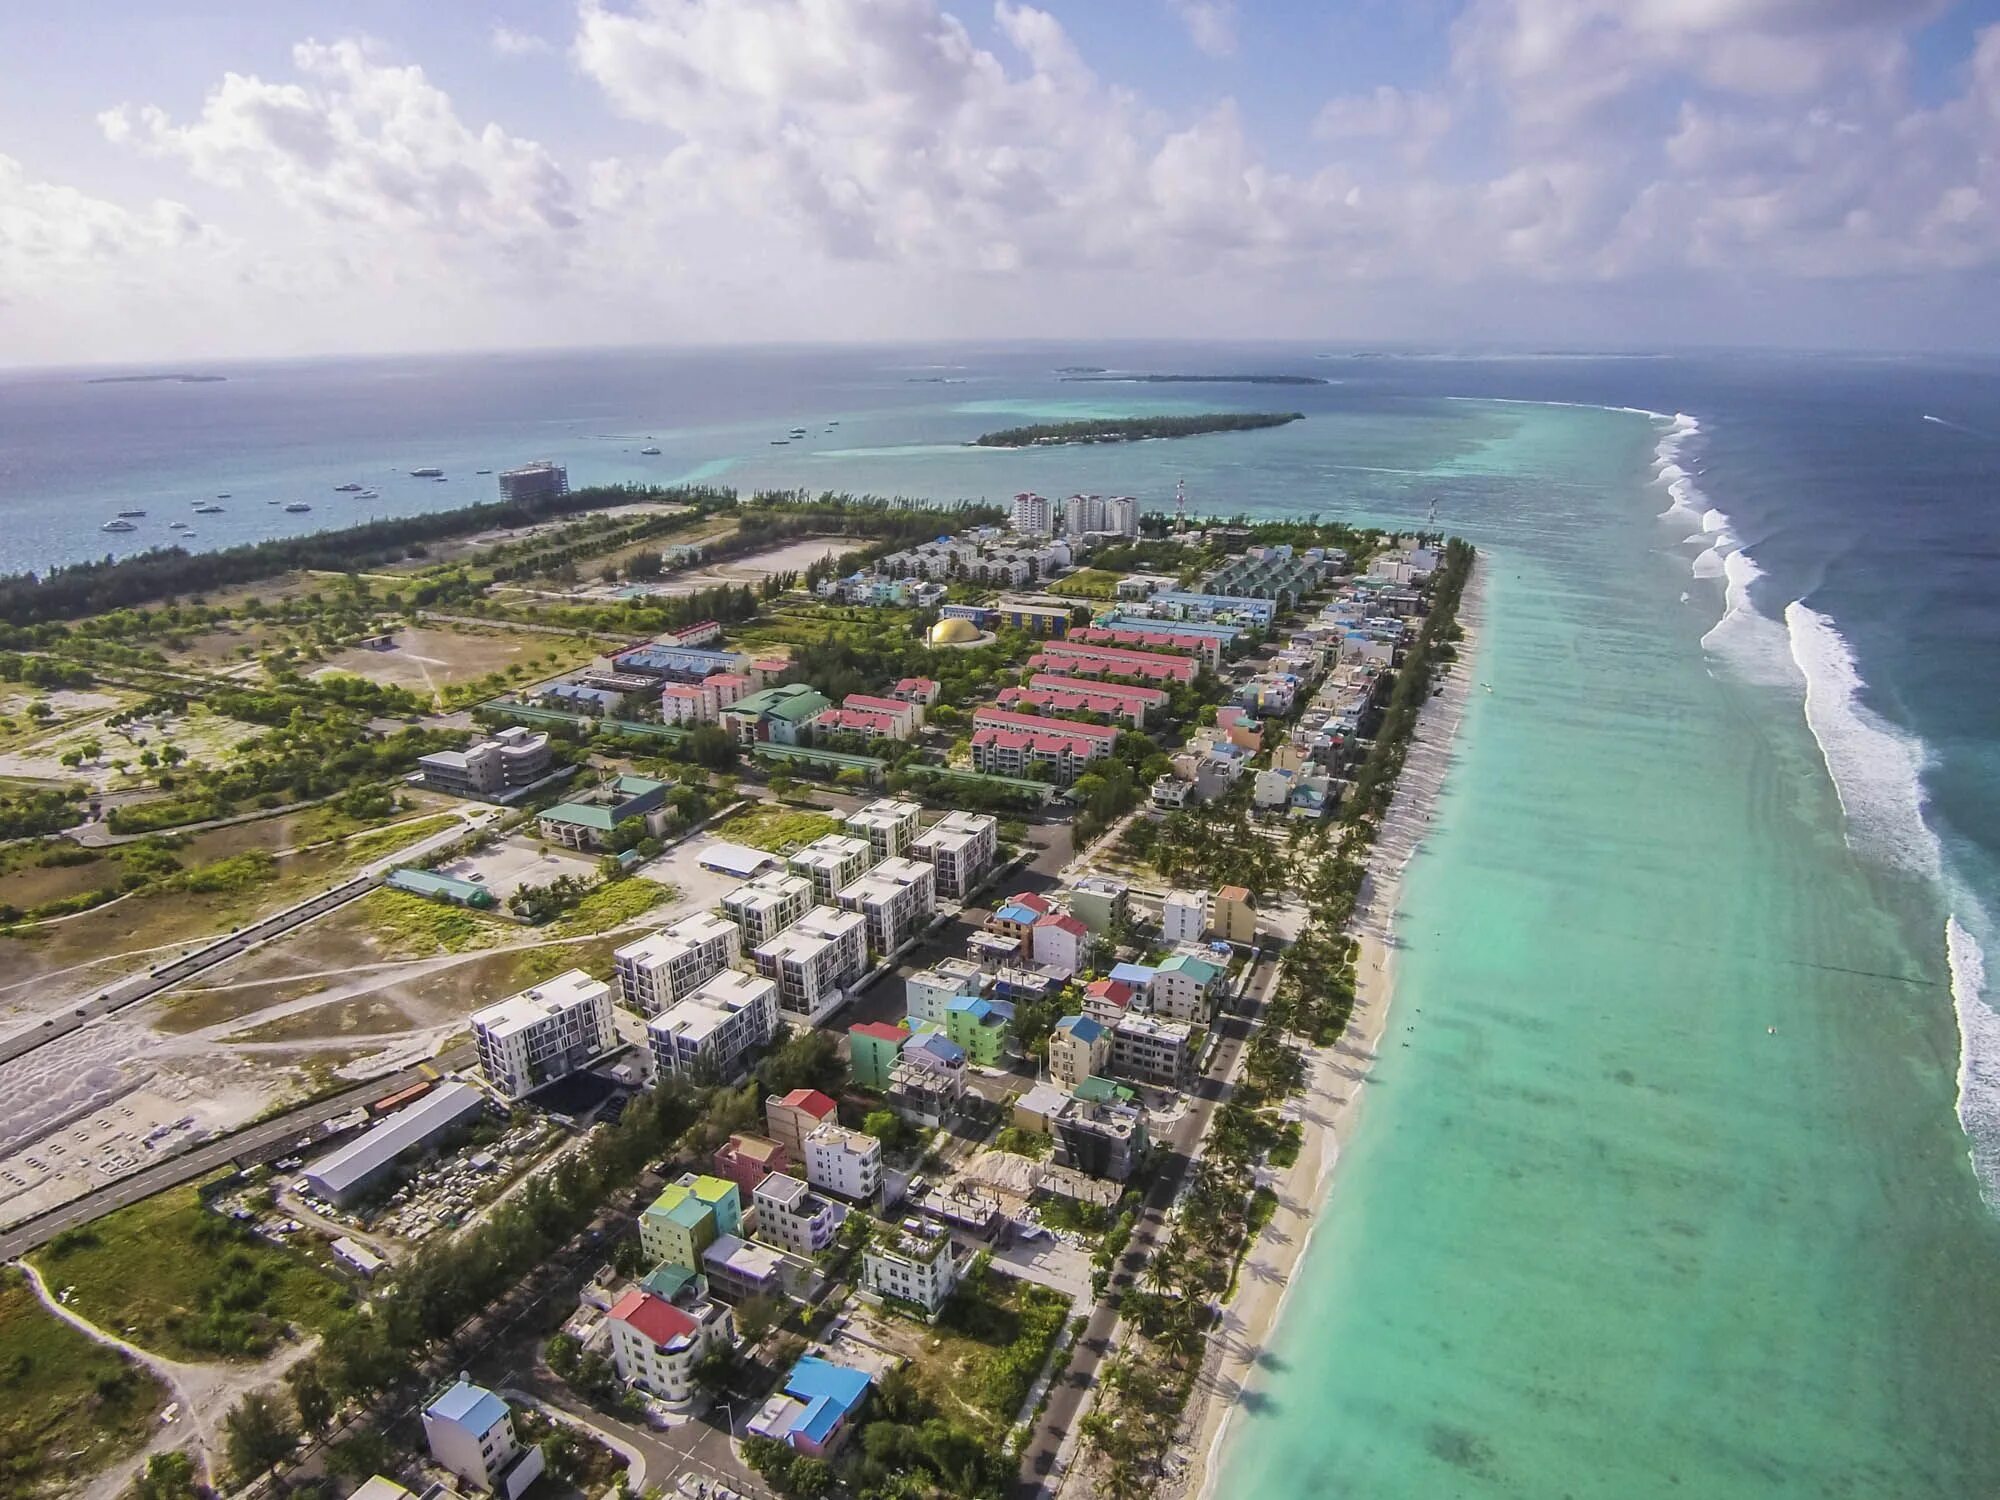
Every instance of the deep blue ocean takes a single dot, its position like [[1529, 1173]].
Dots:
[[1857, 494]]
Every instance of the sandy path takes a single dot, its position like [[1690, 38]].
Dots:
[[205, 1393], [1330, 1105]]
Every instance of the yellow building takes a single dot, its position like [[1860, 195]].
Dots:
[[1233, 919]]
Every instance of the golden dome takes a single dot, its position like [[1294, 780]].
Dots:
[[953, 632]]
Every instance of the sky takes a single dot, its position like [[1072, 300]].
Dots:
[[213, 180]]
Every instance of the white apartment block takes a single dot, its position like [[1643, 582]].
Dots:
[[889, 825], [896, 898], [832, 864], [667, 966], [717, 1029], [791, 1216], [657, 1345], [1033, 515], [927, 995], [1083, 514], [844, 1162], [1150, 1050], [813, 961], [916, 1267], [470, 1431], [764, 907], [544, 1033], [1184, 916], [960, 848]]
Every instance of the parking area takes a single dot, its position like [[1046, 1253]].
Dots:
[[514, 862], [1051, 1259], [681, 868]]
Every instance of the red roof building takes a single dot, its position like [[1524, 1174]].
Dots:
[[1081, 659], [655, 1319]]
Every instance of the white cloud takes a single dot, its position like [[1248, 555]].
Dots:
[[900, 167], [508, 42], [1211, 24], [364, 144], [53, 233]]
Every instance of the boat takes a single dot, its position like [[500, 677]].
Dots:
[[222, 494], [650, 452], [208, 510], [118, 526], [426, 473], [349, 488], [798, 432], [779, 442], [177, 526], [128, 514], [298, 507], [368, 495], [437, 479], [482, 471]]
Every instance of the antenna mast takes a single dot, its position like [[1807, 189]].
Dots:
[[1180, 507]]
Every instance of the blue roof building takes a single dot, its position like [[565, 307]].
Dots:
[[811, 1411], [1140, 975]]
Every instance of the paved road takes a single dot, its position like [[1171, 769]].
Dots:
[[129, 992], [1178, 1146], [204, 1159]]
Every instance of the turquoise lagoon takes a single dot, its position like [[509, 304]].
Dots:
[[1657, 1189]]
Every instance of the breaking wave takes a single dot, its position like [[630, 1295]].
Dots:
[[1684, 496], [1978, 1054], [1877, 769]]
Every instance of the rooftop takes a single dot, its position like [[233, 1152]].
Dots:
[[533, 1006], [812, 1101], [654, 1318], [471, 1406]]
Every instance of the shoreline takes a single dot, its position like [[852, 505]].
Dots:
[[1330, 1105]]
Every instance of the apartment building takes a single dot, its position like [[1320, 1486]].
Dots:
[[928, 993], [832, 864], [960, 847], [1080, 659], [1186, 987], [1102, 1139], [1184, 916], [889, 824], [789, 1119], [470, 1431], [544, 1033], [844, 1162], [1079, 1048], [814, 960], [896, 898], [791, 1216], [764, 907], [511, 759], [657, 1346], [1147, 1049], [667, 966], [717, 1030], [916, 1267], [927, 1084]]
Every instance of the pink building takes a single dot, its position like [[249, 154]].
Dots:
[[1080, 659], [916, 690]]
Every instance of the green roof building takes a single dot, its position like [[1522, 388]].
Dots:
[[587, 822], [777, 715], [435, 887]]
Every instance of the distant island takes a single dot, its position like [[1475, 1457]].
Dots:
[[1131, 429], [150, 379], [1195, 379], [1079, 369]]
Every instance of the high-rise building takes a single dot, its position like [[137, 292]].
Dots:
[[1034, 515], [1083, 514], [534, 483]]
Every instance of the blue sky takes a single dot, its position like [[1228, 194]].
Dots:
[[219, 179]]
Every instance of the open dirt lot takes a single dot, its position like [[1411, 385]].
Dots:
[[513, 863], [794, 556], [427, 658]]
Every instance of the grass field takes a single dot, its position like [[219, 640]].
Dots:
[[985, 1350], [174, 1277], [609, 906], [1087, 583], [68, 1405], [776, 828], [413, 927]]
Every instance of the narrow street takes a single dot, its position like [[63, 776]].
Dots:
[[1175, 1153]]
